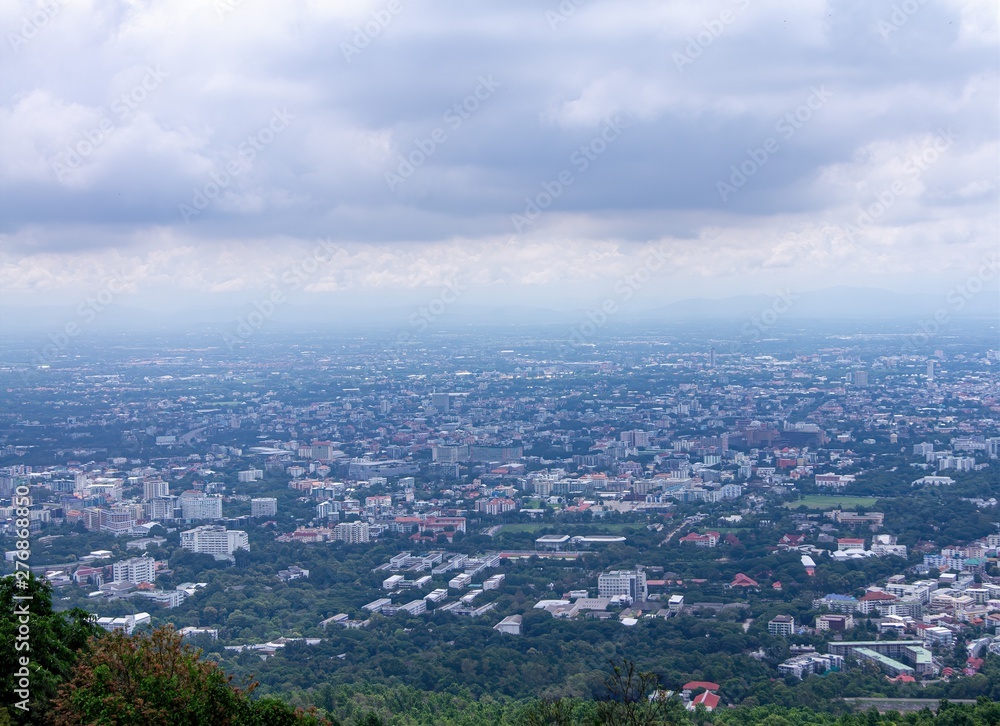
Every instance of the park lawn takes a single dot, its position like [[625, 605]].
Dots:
[[596, 528], [820, 501]]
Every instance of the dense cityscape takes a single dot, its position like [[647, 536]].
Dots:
[[519, 363], [819, 510]]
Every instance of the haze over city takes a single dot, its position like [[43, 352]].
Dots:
[[513, 363]]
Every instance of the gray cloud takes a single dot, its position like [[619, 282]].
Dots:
[[892, 82]]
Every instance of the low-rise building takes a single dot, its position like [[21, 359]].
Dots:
[[803, 665], [835, 622], [510, 625]]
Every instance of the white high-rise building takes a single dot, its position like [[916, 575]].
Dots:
[[153, 488], [352, 532], [215, 540], [161, 509], [198, 506], [634, 439], [136, 570], [623, 582], [263, 507]]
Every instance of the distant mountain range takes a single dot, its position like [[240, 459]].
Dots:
[[350, 312]]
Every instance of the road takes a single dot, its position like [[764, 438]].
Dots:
[[693, 519]]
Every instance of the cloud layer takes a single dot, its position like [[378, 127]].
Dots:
[[203, 147]]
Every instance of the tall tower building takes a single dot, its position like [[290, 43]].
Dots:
[[930, 371], [154, 488]]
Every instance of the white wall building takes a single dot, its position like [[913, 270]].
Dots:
[[153, 488], [623, 582], [199, 506], [352, 532], [263, 507], [136, 570], [215, 540]]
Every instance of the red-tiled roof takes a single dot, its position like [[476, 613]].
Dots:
[[708, 699], [695, 685]]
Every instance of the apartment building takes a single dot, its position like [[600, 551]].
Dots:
[[215, 540]]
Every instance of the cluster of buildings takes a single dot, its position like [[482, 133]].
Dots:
[[458, 573], [428, 449]]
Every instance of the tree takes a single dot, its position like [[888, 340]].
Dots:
[[53, 640], [557, 712], [634, 700], [156, 679]]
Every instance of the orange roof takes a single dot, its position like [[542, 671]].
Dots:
[[707, 699], [695, 685]]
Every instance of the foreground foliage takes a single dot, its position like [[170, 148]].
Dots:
[[50, 643], [156, 679]]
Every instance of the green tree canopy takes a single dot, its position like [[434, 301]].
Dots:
[[156, 679]]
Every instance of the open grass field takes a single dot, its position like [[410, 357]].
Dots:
[[819, 501], [574, 529]]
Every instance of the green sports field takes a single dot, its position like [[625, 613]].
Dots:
[[616, 528], [819, 501]]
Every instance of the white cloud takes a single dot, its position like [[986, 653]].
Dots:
[[227, 65]]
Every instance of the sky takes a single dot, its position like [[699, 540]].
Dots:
[[218, 153]]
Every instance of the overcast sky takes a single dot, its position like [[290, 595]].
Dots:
[[200, 149]]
